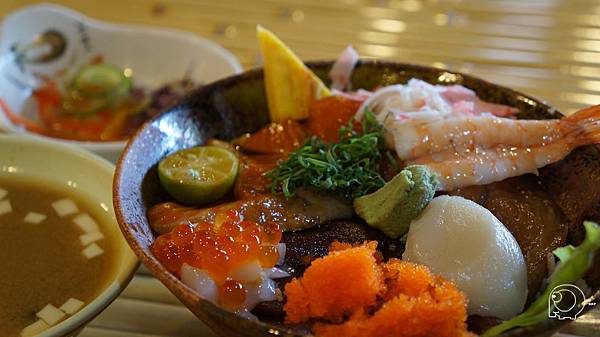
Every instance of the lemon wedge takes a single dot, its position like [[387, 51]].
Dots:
[[291, 87]]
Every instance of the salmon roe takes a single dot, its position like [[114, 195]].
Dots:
[[232, 294], [219, 249]]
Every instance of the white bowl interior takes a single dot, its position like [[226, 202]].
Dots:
[[86, 174], [155, 57]]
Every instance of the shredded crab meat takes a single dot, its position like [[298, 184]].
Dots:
[[420, 100], [342, 69]]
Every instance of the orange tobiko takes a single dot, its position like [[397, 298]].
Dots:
[[354, 295]]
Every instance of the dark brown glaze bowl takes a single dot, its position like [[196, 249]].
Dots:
[[237, 105]]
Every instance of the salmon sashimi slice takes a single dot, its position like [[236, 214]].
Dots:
[[306, 209], [329, 114], [251, 181], [275, 138]]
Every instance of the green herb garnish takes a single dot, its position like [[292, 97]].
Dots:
[[350, 167], [574, 262]]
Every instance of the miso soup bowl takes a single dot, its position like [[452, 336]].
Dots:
[[86, 174]]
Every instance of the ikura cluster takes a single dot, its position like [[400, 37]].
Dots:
[[231, 263]]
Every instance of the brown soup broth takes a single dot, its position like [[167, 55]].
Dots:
[[42, 263]]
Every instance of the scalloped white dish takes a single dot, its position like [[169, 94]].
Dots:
[[155, 56]]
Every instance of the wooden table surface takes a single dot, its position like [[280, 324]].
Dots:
[[546, 48]]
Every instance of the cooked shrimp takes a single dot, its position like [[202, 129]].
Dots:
[[470, 142], [514, 149], [415, 138]]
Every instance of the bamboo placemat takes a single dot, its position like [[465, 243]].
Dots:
[[546, 48]]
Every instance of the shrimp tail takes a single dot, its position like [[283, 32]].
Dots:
[[588, 125]]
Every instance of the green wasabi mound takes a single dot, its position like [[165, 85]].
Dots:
[[392, 207]]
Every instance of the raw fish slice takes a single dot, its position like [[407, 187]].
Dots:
[[305, 210], [251, 181], [275, 138]]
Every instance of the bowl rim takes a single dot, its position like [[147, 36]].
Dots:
[[172, 283], [129, 261], [113, 27]]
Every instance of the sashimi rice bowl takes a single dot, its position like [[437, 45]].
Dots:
[[394, 200]]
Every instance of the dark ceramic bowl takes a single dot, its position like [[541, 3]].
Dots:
[[229, 108]]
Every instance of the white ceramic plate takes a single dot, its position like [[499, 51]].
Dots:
[[155, 57]]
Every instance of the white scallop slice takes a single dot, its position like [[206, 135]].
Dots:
[[5, 207], [34, 328], [276, 273], [88, 238], [34, 218], [247, 272], [86, 223], [51, 314], [92, 251], [262, 291], [71, 306], [465, 243], [281, 250], [200, 281], [65, 207]]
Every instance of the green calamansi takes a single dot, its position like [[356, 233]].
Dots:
[[199, 175]]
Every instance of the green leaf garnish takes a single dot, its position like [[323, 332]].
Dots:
[[574, 262]]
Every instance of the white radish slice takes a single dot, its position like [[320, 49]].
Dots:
[[5, 207], [34, 218], [281, 251], [247, 272], [50, 314], [64, 207], [88, 238], [71, 306], [200, 281], [86, 223], [34, 328], [3, 193], [275, 273], [92, 251]]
